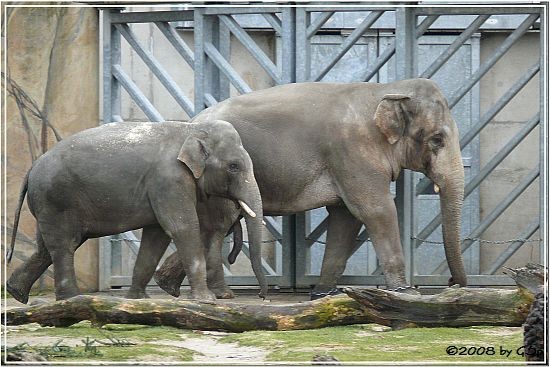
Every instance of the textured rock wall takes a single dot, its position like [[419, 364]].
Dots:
[[53, 55]]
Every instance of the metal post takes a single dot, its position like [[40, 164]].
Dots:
[[200, 59], [111, 56], [543, 132], [224, 45], [405, 67], [288, 38], [303, 45]]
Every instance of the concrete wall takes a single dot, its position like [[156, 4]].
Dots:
[[523, 159], [52, 54]]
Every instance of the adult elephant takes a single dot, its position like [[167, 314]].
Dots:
[[124, 176], [339, 146]]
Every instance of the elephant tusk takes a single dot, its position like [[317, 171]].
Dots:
[[247, 209], [436, 189]]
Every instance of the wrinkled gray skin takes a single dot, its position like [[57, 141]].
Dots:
[[125, 176], [339, 146]]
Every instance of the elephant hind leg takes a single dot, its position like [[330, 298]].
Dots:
[[21, 280], [154, 242], [62, 238], [342, 231]]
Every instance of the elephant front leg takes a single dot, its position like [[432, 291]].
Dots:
[[214, 265], [341, 234], [186, 236], [154, 242], [380, 217]]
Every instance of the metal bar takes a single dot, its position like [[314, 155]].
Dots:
[[271, 225], [390, 6], [487, 169], [200, 60], [274, 22], [107, 73], [226, 68], [239, 10], [390, 50], [265, 266], [153, 16], [379, 62], [495, 213], [468, 10], [111, 56], [289, 251], [224, 46], [157, 69], [405, 65], [489, 115], [179, 44], [425, 25], [453, 47], [104, 276], [317, 232], [543, 136], [315, 25], [252, 47], [506, 254], [499, 105], [303, 45], [350, 41], [136, 94], [209, 99], [502, 154], [493, 59], [288, 39]]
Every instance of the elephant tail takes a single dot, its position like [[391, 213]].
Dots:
[[237, 242], [17, 215]]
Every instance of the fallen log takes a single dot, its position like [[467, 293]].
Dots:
[[454, 307], [189, 314]]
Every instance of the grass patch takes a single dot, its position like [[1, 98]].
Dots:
[[375, 343], [85, 329], [144, 337]]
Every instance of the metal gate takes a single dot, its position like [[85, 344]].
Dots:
[[381, 43]]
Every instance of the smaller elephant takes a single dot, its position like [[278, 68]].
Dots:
[[124, 176]]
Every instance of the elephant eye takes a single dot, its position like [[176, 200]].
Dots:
[[233, 168], [436, 142]]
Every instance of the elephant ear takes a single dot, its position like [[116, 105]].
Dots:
[[193, 153], [390, 116]]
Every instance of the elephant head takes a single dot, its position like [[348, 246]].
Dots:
[[214, 153], [423, 136]]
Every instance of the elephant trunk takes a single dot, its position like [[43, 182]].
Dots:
[[452, 196], [252, 206]]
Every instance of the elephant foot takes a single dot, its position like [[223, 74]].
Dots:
[[223, 292], [137, 294], [203, 295], [66, 294], [316, 294], [167, 285], [16, 293]]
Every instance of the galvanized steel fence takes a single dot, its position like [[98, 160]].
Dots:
[[395, 57]]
